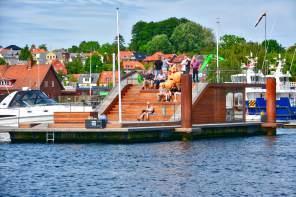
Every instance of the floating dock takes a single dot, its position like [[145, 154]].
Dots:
[[202, 114], [133, 134]]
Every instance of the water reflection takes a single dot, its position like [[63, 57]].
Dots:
[[253, 166]]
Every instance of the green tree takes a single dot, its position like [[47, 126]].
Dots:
[[95, 62], [228, 41], [42, 46], [89, 46], [107, 50], [121, 43], [75, 67], [2, 61], [159, 43], [273, 46], [74, 49], [25, 53], [191, 36], [143, 32]]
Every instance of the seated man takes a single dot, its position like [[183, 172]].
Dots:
[[148, 80], [146, 112], [159, 78]]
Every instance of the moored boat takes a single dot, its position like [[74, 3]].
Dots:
[[255, 96], [33, 106]]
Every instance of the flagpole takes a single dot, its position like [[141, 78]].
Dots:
[[119, 80], [266, 67]]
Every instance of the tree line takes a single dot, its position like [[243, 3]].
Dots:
[[180, 36]]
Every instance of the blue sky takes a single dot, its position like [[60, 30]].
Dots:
[[63, 23]]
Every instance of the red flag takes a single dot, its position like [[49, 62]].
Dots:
[[264, 14]]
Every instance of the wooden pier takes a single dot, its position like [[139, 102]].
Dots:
[[133, 134], [203, 114]]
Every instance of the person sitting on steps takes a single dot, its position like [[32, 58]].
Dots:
[[146, 112]]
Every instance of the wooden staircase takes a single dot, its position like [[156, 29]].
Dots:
[[134, 100]]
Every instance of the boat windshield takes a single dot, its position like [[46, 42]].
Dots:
[[284, 79], [256, 79], [30, 98]]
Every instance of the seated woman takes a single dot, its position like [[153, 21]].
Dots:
[[175, 91], [162, 95], [146, 112], [159, 78]]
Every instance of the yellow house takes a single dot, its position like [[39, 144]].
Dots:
[[50, 56]]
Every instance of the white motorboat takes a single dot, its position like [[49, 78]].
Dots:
[[33, 106], [255, 96]]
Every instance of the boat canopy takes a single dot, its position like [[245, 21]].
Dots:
[[30, 98]]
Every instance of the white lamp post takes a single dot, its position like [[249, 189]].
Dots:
[[217, 58], [113, 75], [119, 80]]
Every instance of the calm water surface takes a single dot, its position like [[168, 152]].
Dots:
[[252, 166]]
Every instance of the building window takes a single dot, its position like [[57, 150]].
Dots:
[[45, 84], [52, 83]]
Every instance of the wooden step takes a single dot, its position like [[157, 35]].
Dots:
[[135, 117], [69, 120], [66, 125]]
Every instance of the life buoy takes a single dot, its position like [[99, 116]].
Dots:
[[252, 103]]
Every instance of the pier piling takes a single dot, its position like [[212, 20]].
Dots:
[[186, 101], [270, 106]]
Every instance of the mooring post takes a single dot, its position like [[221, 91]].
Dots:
[[186, 101], [270, 106], [271, 99]]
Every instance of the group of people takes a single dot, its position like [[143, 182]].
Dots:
[[166, 77]]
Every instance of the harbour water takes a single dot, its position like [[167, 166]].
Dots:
[[241, 166]]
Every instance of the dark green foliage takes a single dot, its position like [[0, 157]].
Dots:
[[89, 46], [42, 46], [25, 53], [191, 36], [96, 64], [159, 43], [121, 43], [75, 66], [273, 46], [228, 41], [2, 61], [74, 49], [85, 47], [143, 32]]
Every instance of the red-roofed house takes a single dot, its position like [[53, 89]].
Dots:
[[126, 55], [153, 57], [132, 65], [106, 78], [59, 67], [34, 51], [41, 76]]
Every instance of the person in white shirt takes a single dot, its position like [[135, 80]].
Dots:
[[165, 64], [160, 77], [185, 65]]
